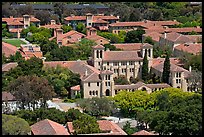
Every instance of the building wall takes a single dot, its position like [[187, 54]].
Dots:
[[102, 41], [93, 87]]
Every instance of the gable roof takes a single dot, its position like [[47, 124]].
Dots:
[[8, 49], [71, 32], [94, 77], [121, 56], [48, 127], [99, 46], [176, 37], [190, 48], [76, 88]]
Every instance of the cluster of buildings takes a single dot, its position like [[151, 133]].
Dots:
[[97, 74]]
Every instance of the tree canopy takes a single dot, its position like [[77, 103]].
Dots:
[[12, 125]]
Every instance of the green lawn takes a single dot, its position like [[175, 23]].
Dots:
[[15, 42]]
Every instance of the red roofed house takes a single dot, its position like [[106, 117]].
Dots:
[[29, 50], [174, 39], [145, 25], [48, 127], [187, 48], [97, 21], [107, 128], [8, 49], [75, 90], [16, 25], [53, 26], [68, 38], [154, 35], [92, 35]]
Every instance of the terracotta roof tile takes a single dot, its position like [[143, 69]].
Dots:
[[83, 18], [132, 86], [100, 21], [190, 48], [186, 29], [159, 85], [128, 46], [95, 37], [52, 26], [154, 35], [77, 88], [70, 33], [7, 96], [121, 56], [15, 30], [94, 77], [8, 49], [143, 132], [48, 127], [99, 46], [176, 37]]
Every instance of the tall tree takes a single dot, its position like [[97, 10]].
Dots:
[[28, 90], [134, 36], [145, 68], [85, 125], [166, 70], [12, 125]]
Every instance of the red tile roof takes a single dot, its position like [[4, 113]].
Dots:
[[72, 32], [94, 77], [76, 88], [128, 46], [100, 21], [14, 22], [83, 18], [8, 66], [186, 29], [32, 19], [176, 37], [48, 127], [7, 96], [8, 49], [143, 132], [95, 37], [154, 35], [123, 24], [99, 46], [190, 48], [121, 56], [52, 26]]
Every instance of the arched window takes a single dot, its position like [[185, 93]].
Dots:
[[93, 92], [97, 92], [107, 92], [89, 92]]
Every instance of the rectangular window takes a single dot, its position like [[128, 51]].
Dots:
[[97, 92], [99, 63], [106, 84], [108, 77], [179, 75], [108, 63], [131, 63], [89, 84], [179, 80], [176, 81], [98, 84], [123, 63]]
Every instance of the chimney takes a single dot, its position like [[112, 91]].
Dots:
[[190, 68], [59, 33]]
